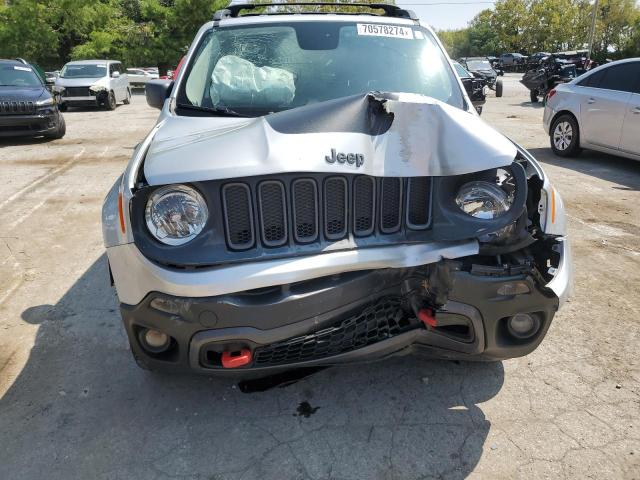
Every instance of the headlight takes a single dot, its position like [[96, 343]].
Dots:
[[483, 200], [175, 214], [47, 102], [97, 88]]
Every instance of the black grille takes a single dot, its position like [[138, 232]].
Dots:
[[16, 108], [335, 208], [273, 213], [305, 210], [238, 214], [377, 322], [323, 208], [418, 200], [77, 92], [390, 205]]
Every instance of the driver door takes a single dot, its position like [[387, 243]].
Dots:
[[604, 96], [630, 142]]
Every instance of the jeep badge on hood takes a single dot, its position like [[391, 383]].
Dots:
[[350, 158]]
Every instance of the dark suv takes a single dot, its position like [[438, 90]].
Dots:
[[27, 108]]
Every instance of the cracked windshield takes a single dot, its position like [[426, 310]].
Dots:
[[264, 69]]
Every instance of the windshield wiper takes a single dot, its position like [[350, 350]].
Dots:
[[221, 111]]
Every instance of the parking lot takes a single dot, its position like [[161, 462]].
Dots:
[[73, 404]]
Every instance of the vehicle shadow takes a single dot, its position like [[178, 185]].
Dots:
[[622, 171], [537, 105], [23, 141], [81, 408]]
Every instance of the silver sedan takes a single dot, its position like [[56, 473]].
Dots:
[[599, 110]]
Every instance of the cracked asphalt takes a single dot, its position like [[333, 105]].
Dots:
[[73, 405]]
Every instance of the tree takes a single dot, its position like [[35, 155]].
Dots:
[[530, 26]]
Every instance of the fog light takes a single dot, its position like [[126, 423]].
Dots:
[[154, 341], [523, 325]]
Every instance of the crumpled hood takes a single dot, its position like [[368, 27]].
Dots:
[[378, 134]]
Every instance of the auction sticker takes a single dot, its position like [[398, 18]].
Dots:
[[395, 31]]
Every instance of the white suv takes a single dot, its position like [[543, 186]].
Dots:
[[94, 83], [599, 110]]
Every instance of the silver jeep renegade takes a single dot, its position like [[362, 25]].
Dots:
[[319, 190]]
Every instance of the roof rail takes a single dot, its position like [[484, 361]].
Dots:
[[233, 10]]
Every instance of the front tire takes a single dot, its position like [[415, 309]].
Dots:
[[565, 136], [61, 131], [111, 103], [498, 88], [533, 95]]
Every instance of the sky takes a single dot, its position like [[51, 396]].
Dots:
[[446, 14]]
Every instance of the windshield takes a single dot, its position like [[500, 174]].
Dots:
[[88, 70], [479, 64], [256, 69], [462, 73], [18, 76]]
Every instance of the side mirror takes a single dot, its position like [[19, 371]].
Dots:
[[157, 91], [115, 75]]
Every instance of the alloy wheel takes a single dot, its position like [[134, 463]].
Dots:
[[562, 136]]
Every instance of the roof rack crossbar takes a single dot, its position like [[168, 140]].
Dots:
[[233, 10]]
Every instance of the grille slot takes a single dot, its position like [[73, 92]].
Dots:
[[418, 201], [390, 205], [238, 215], [379, 321], [364, 205], [335, 208], [78, 92], [273, 213], [16, 108], [305, 210]]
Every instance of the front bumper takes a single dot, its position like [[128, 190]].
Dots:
[[345, 318], [29, 125], [97, 99]]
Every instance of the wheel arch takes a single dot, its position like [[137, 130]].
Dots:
[[558, 115]]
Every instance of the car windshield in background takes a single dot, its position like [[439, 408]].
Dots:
[[84, 71], [479, 64], [18, 76], [462, 73], [256, 70]]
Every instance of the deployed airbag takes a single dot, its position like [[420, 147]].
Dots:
[[236, 81]]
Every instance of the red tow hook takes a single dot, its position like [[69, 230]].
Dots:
[[236, 359], [428, 317]]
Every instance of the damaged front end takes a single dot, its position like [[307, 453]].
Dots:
[[345, 231]]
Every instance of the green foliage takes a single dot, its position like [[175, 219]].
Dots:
[[530, 26], [158, 32], [137, 32]]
